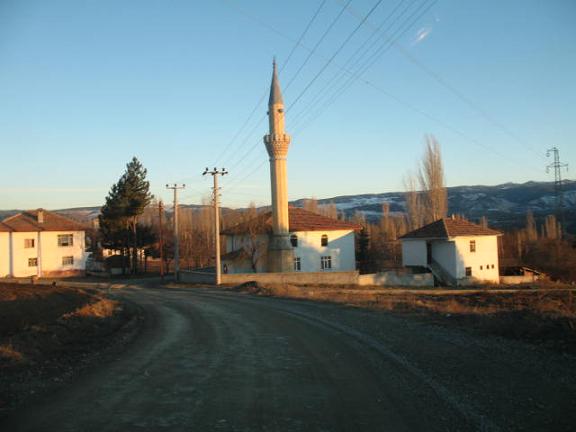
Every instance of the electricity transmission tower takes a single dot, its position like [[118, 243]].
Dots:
[[557, 166], [175, 188], [215, 200]]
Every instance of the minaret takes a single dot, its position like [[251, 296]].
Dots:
[[280, 253]]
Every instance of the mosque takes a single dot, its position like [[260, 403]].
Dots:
[[287, 239]]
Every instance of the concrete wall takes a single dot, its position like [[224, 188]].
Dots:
[[188, 276], [4, 254], [393, 278], [414, 253], [520, 279], [315, 278], [483, 262]]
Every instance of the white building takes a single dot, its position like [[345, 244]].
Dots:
[[457, 251], [41, 243], [319, 244]]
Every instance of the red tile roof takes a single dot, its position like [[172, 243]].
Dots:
[[299, 220], [4, 228], [446, 228], [27, 221]]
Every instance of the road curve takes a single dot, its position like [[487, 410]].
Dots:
[[213, 360]]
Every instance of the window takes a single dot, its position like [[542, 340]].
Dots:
[[324, 240], [492, 265], [326, 262], [32, 262], [481, 267], [65, 240], [294, 240], [472, 245], [67, 260], [468, 271], [28, 243], [297, 264]]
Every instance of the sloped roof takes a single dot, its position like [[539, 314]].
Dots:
[[27, 221], [4, 227], [298, 219], [448, 227]]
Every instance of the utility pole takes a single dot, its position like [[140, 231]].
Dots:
[[161, 238], [175, 188], [215, 200], [557, 166]]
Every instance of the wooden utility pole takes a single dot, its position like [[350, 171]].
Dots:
[[161, 238], [175, 188], [215, 200]]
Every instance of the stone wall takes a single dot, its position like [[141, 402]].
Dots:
[[393, 278], [294, 278]]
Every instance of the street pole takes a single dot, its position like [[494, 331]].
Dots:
[[161, 238], [215, 200], [175, 188]]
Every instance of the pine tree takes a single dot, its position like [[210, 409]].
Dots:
[[118, 218]]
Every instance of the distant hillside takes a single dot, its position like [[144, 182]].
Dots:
[[504, 205]]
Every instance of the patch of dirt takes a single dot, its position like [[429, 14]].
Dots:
[[48, 334], [542, 317]]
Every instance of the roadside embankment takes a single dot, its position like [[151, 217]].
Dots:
[[545, 317], [49, 333]]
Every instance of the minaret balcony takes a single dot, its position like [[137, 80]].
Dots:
[[276, 138]]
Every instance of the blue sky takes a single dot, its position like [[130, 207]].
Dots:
[[86, 85]]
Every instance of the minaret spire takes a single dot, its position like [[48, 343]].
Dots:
[[280, 254]]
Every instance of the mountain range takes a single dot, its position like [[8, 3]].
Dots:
[[504, 205]]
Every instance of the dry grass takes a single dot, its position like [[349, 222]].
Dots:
[[102, 308], [9, 354]]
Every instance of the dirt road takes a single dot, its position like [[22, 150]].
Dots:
[[213, 360]]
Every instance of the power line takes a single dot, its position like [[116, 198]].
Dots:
[[366, 64], [459, 94], [262, 98], [340, 48]]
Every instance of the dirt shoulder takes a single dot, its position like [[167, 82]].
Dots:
[[48, 334], [544, 317]]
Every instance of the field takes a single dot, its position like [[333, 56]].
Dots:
[[544, 315], [49, 333]]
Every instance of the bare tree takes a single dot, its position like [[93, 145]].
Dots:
[[414, 210], [431, 178]]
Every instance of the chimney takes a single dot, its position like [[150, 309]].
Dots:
[[40, 216]]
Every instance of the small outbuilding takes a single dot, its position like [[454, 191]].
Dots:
[[456, 251]]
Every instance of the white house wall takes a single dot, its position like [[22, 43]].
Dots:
[[52, 254], [444, 253], [340, 248], [46, 250], [481, 261], [414, 253], [21, 254], [4, 254]]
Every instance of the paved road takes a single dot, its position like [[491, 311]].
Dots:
[[213, 360]]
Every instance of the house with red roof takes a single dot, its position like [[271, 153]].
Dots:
[[319, 243], [456, 251], [43, 244]]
